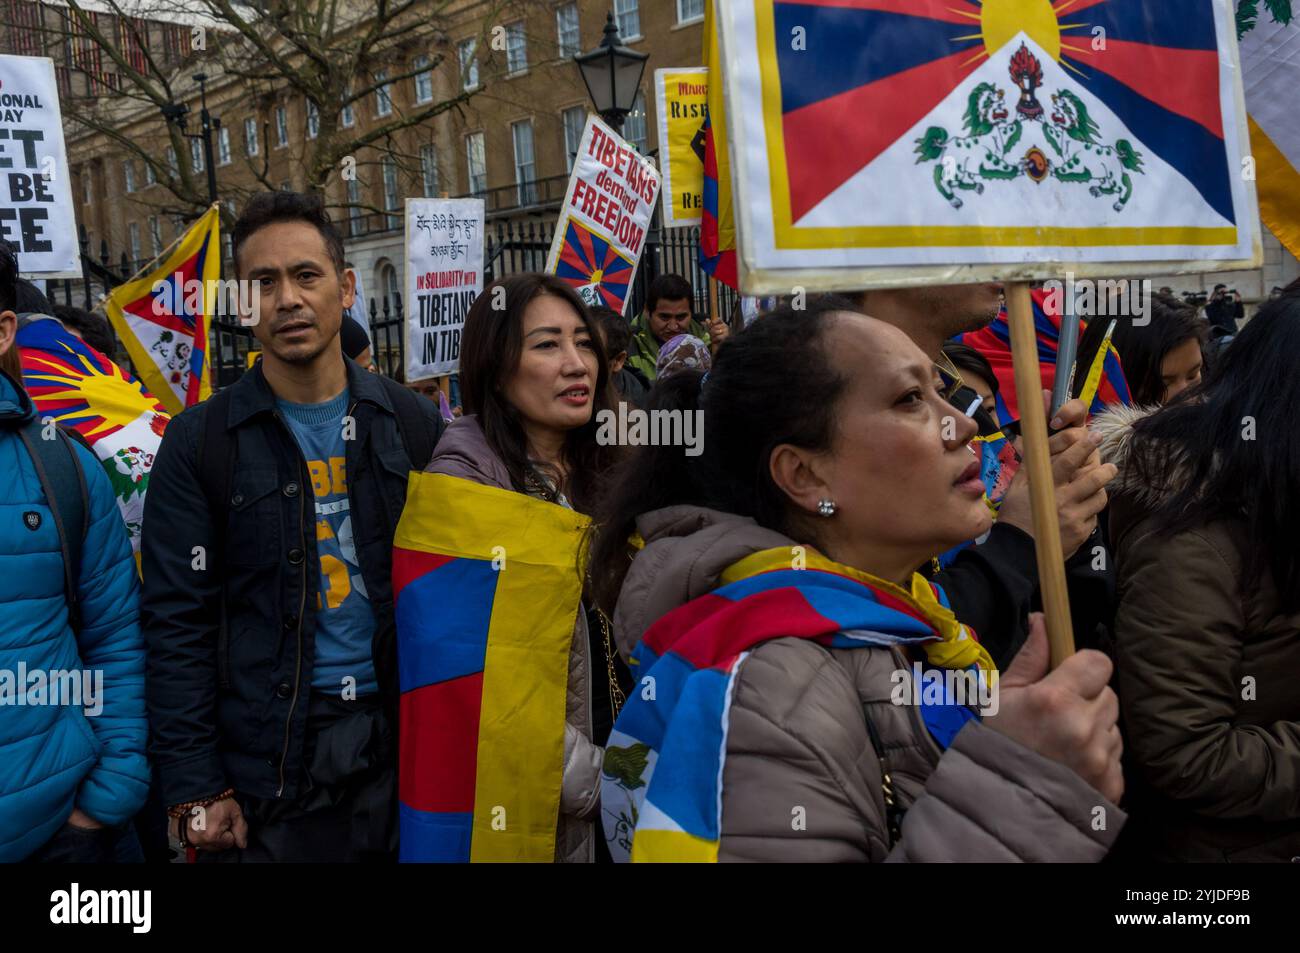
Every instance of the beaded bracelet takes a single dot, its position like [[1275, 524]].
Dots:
[[180, 810]]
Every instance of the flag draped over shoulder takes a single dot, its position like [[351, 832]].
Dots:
[[487, 590], [80, 388], [163, 317], [994, 342], [660, 790], [718, 223], [1270, 74]]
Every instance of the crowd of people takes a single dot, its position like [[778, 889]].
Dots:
[[755, 628]]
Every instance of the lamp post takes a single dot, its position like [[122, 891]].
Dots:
[[177, 113], [613, 74]]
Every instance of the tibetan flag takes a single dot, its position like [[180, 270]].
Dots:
[[1270, 73], [163, 317], [82, 389], [718, 225], [661, 797], [994, 342], [594, 267], [487, 589]]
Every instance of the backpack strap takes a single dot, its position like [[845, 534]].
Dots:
[[411, 424], [64, 484], [213, 459]]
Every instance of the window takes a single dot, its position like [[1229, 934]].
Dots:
[[250, 137], [150, 178], [286, 186], [429, 170], [524, 165], [516, 47], [388, 281], [227, 237], [634, 125], [575, 120], [566, 29], [85, 187], [155, 236], [313, 120], [133, 233], [354, 206], [468, 64], [128, 175], [223, 146], [281, 127], [196, 155], [383, 94], [629, 19], [390, 189], [688, 10], [423, 80], [178, 226], [172, 163], [477, 162], [346, 116]]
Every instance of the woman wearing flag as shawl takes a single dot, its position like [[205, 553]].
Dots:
[[507, 693], [798, 685]]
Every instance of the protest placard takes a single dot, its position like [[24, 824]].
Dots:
[[605, 217], [36, 212], [682, 96], [1003, 140], [444, 274]]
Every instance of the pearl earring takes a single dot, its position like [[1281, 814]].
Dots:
[[826, 507]]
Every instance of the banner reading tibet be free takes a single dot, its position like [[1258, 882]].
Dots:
[[36, 213], [604, 219]]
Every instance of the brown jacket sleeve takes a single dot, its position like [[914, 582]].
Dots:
[[1179, 631], [802, 783]]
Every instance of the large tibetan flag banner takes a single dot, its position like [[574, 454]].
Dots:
[[487, 588], [1270, 67], [993, 140], [994, 342], [718, 221], [80, 388], [605, 217], [163, 317]]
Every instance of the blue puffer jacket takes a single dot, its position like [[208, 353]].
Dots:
[[52, 756]]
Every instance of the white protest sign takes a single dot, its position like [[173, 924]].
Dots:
[[604, 219], [36, 212], [444, 274]]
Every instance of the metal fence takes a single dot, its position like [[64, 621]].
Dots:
[[509, 248]]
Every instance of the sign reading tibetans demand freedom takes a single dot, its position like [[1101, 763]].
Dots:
[[996, 140], [604, 218], [444, 274], [36, 213], [682, 96]]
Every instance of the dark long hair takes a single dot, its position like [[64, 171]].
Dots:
[[1142, 349], [1233, 451], [770, 384], [491, 346]]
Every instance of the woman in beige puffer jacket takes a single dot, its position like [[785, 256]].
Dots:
[[824, 430]]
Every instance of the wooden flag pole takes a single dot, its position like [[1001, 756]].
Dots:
[[1042, 490], [713, 298]]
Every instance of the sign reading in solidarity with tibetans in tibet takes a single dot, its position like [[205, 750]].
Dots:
[[163, 316], [36, 213], [604, 218], [682, 96], [993, 140], [444, 274]]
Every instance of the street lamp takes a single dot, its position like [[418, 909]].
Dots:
[[613, 74], [177, 113]]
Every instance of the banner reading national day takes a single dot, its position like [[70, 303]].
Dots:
[[1005, 137], [36, 211], [605, 217]]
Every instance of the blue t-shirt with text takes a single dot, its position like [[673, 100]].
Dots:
[[345, 624]]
